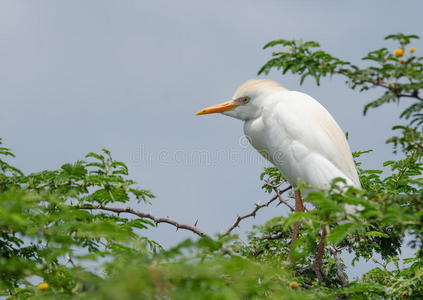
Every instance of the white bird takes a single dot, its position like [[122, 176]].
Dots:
[[293, 131]]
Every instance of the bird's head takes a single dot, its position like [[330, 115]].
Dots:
[[247, 102]]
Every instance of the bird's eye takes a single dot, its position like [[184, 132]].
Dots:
[[245, 99]]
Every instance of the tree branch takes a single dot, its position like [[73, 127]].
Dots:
[[317, 265], [278, 236], [281, 200], [258, 207], [150, 216], [380, 83], [157, 220], [339, 268], [192, 228]]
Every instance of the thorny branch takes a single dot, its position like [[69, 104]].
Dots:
[[155, 219], [281, 200], [192, 228], [259, 206]]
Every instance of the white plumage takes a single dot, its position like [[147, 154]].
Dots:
[[293, 131]]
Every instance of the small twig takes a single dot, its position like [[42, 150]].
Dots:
[[380, 83], [273, 237], [339, 267], [272, 185], [69, 260], [285, 189], [281, 200], [254, 212]]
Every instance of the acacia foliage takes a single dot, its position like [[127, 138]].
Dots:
[[52, 232]]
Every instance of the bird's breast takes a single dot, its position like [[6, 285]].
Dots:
[[270, 141], [277, 144]]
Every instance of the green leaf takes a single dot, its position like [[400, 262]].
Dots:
[[338, 233], [377, 234]]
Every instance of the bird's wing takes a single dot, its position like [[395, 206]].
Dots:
[[316, 140]]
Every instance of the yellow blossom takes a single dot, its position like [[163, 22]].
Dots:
[[412, 49], [43, 286], [399, 52], [404, 293], [293, 285]]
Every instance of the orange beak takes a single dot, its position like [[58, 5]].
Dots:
[[219, 108]]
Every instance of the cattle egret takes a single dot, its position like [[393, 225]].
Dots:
[[293, 131]]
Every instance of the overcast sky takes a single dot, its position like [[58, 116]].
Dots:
[[76, 76]]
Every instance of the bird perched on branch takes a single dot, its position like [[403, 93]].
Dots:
[[293, 131], [296, 134]]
